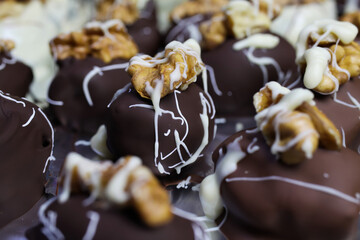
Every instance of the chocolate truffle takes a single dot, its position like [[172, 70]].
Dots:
[[139, 18], [239, 64], [89, 74], [332, 69], [15, 76], [130, 204], [26, 140], [172, 127], [288, 179]]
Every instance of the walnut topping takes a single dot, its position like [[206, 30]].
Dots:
[[126, 11], [213, 31], [192, 8], [6, 45], [106, 41], [329, 55], [292, 124], [122, 183], [243, 19], [176, 67]]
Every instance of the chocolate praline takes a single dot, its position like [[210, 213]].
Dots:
[[15, 76], [131, 130], [316, 199], [144, 30], [113, 223], [26, 139], [237, 79], [83, 88]]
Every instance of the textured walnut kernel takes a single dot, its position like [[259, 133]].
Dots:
[[111, 43], [192, 8], [353, 17], [6, 45], [181, 60], [144, 191], [126, 11], [242, 19], [213, 31], [284, 126]]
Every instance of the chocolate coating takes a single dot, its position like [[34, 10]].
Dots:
[[15, 76], [277, 209], [114, 223], [144, 31], [342, 116], [131, 128], [76, 113], [239, 79], [24, 150]]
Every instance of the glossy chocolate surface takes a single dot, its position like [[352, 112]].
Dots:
[[25, 145], [114, 223], [76, 113], [276, 209], [131, 131], [15, 76]]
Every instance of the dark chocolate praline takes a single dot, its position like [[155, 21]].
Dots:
[[237, 78], [131, 130], [144, 31], [15, 76], [26, 139], [67, 93], [73, 220], [265, 199]]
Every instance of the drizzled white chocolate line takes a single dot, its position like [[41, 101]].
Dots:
[[49, 230], [182, 28], [100, 71], [6, 61], [30, 118], [91, 229], [311, 186], [262, 41], [105, 26]]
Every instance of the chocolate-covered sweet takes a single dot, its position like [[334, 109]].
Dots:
[[239, 59], [266, 199], [290, 178], [91, 70], [166, 142], [74, 220], [26, 142], [140, 20], [15, 76]]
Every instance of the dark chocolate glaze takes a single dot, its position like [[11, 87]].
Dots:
[[280, 210], [131, 130], [24, 152], [15, 78], [239, 79], [67, 86], [114, 223], [342, 116], [144, 31]]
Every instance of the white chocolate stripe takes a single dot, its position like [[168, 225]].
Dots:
[[311, 186]]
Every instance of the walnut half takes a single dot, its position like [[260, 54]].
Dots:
[[175, 68], [6, 45], [126, 11], [291, 124], [122, 183], [107, 41]]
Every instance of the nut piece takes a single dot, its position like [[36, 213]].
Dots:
[[121, 183], [192, 8], [106, 41], [6, 45], [213, 31], [126, 11], [243, 19], [176, 67], [292, 125]]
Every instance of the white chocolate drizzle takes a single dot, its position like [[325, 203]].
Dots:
[[91, 229], [100, 71], [51, 157], [105, 26], [181, 29], [98, 143], [311, 186], [82, 143], [184, 184], [355, 104], [118, 93], [6, 61], [54, 102], [213, 80], [49, 230], [343, 137], [30, 119], [6, 96]]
